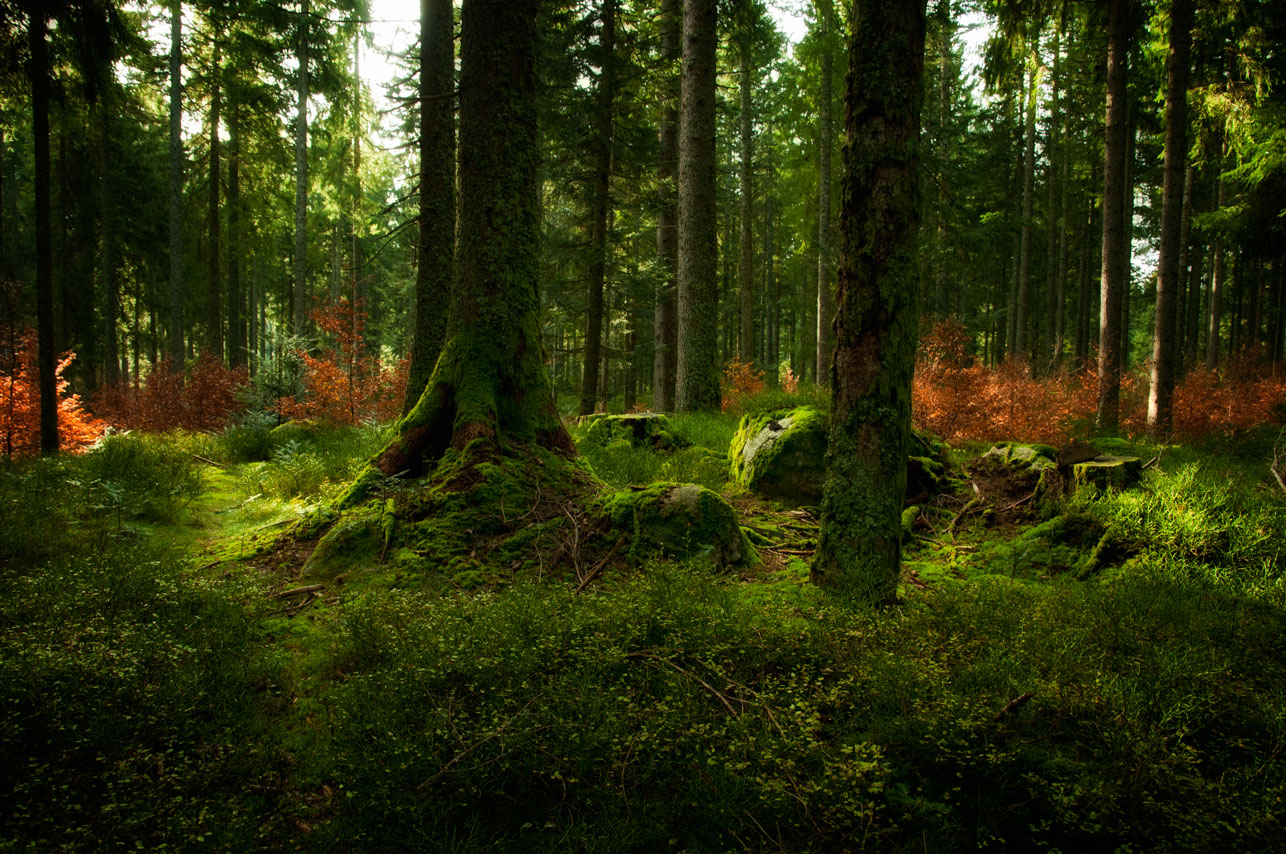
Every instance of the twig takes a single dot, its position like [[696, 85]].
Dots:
[[688, 673], [474, 746], [1013, 705], [309, 588], [1275, 466], [1150, 463], [957, 546], [1018, 502], [291, 611], [209, 462], [593, 573], [969, 505]]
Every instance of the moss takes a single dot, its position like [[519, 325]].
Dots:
[[781, 454], [353, 542], [678, 521], [909, 515], [640, 429], [1107, 473]]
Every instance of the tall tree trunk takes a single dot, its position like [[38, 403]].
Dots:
[[300, 302], [1217, 281], [825, 309], [174, 343], [214, 312], [436, 247], [1164, 346], [665, 324], [107, 250], [1115, 246], [600, 203], [746, 338], [1189, 276], [859, 551], [1022, 335], [236, 318], [45, 351], [490, 382], [697, 370]]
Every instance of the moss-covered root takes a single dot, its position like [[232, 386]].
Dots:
[[679, 520]]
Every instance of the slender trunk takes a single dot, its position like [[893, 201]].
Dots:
[[665, 323], [825, 309], [1218, 275], [236, 319], [859, 551], [1060, 289], [1022, 335], [697, 371], [174, 344], [436, 246], [45, 354], [1164, 347], [299, 311], [746, 338], [214, 313], [1115, 245], [107, 250], [1055, 219], [600, 203], [1189, 279]]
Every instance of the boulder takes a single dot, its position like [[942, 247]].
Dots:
[[650, 429], [678, 520], [782, 455]]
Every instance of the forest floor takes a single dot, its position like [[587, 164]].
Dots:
[[1108, 674]]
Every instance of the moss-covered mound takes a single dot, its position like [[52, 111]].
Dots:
[[678, 520], [639, 429], [782, 455]]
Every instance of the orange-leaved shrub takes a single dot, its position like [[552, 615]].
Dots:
[[20, 402], [958, 398], [167, 400], [343, 384], [740, 381]]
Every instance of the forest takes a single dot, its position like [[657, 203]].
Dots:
[[643, 425]]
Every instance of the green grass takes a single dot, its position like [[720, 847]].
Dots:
[[151, 698]]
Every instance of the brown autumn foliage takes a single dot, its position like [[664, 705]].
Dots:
[[20, 402], [343, 384], [740, 381], [957, 398], [167, 400]]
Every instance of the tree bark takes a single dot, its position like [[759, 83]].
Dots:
[[859, 551], [436, 248], [1189, 276], [825, 309], [107, 250], [1115, 246], [174, 343], [697, 369], [45, 351], [665, 324], [746, 272], [1022, 337], [1164, 346], [236, 317], [490, 382], [600, 203], [214, 313], [1217, 281], [300, 306]]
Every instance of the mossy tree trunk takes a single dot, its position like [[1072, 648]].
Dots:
[[667, 246], [825, 309], [436, 247], [490, 382], [1115, 245], [877, 307], [1165, 345], [697, 368]]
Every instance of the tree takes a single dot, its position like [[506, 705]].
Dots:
[[746, 265], [825, 310], [490, 382], [665, 323], [39, 75], [174, 346], [859, 552], [697, 369], [300, 288], [1165, 345], [1116, 248], [436, 248]]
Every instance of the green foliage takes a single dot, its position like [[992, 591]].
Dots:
[[142, 476]]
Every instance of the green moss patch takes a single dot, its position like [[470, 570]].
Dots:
[[678, 520]]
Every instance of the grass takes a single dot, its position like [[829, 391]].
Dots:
[[154, 694]]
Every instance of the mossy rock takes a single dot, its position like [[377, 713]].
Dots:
[[679, 520], [1106, 473], [782, 455], [300, 432], [639, 429], [355, 541], [1021, 458]]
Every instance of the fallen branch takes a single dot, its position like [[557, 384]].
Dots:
[[593, 573], [694, 677], [1275, 467], [209, 462], [1012, 706], [1150, 463], [296, 591], [970, 505], [1018, 502]]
